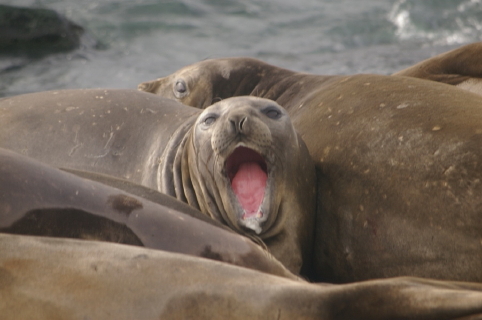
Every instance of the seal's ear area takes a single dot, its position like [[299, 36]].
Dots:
[[150, 86]]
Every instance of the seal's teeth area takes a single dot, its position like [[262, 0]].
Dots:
[[247, 172]]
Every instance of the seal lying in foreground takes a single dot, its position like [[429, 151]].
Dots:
[[46, 278], [240, 161], [40, 200], [399, 163]]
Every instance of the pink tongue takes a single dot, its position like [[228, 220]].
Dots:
[[249, 184]]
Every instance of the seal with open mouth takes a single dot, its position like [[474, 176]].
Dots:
[[399, 159], [240, 161], [243, 164]]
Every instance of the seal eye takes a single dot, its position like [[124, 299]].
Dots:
[[180, 89], [272, 112], [209, 119]]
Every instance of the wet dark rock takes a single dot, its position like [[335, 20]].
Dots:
[[36, 32]]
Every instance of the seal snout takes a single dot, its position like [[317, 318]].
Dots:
[[248, 173], [238, 122]]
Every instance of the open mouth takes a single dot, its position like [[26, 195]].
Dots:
[[247, 171]]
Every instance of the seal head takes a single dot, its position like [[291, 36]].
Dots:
[[244, 143], [243, 164], [201, 84], [244, 151]]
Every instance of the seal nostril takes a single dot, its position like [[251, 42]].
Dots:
[[237, 123], [241, 123]]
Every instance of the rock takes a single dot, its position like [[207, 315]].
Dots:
[[35, 32]]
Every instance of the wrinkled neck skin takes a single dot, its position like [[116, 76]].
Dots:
[[169, 174], [199, 183], [179, 165]]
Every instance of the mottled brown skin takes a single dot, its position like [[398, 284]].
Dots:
[[139, 137], [398, 163], [40, 200], [46, 278], [461, 67]]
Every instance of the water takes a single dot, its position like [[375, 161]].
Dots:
[[131, 41]]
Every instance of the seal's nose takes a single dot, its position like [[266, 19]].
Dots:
[[238, 122]]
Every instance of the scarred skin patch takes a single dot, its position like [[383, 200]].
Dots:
[[124, 203]]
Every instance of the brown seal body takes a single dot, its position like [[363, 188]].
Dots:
[[398, 161], [160, 144], [461, 67], [41, 200], [46, 278]]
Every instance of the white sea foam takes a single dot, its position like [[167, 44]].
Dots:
[[448, 24]]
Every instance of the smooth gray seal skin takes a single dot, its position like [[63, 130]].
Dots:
[[147, 140], [40, 200], [461, 67], [116, 132], [398, 163], [46, 278]]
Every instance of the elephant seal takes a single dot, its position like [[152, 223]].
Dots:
[[460, 67], [47, 278], [212, 160], [398, 163], [206, 82], [44, 201]]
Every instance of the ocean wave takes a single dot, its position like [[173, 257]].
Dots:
[[440, 22]]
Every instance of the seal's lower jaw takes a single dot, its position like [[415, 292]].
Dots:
[[248, 175]]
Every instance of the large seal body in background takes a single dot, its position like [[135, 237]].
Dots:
[[399, 162], [161, 144], [461, 67]]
